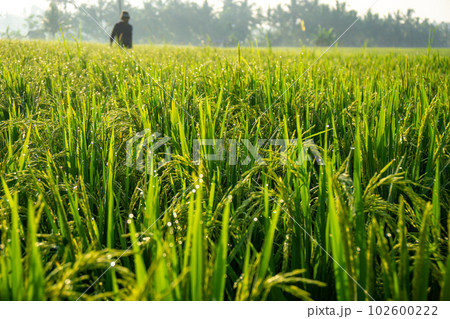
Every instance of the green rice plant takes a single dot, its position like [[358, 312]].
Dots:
[[78, 223], [14, 262], [220, 263], [35, 285]]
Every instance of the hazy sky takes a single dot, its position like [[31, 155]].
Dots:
[[435, 10]]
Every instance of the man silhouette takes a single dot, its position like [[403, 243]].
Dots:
[[123, 31]]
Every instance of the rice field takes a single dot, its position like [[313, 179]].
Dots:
[[365, 217]]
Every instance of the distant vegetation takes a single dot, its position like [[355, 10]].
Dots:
[[301, 22]]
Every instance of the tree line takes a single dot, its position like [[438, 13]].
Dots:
[[298, 23]]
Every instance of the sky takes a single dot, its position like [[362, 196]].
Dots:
[[434, 10]]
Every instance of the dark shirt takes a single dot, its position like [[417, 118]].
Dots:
[[124, 33]]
